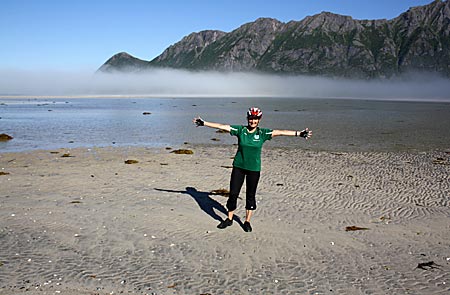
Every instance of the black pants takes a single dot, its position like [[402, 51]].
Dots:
[[237, 179]]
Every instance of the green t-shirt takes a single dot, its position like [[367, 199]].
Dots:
[[248, 155]]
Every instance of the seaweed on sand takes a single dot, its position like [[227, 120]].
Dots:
[[355, 228], [182, 152], [221, 192]]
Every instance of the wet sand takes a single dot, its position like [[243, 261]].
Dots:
[[88, 223]]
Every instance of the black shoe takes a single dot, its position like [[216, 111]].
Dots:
[[224, 224], [247, 227]]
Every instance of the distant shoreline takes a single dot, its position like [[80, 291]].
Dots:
[[178, 96]]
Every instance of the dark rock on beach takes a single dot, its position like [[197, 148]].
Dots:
[[5, 137]]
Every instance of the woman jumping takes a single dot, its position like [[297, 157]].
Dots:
[[247, 161]]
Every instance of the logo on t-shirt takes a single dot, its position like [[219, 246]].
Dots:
[[256, 137]]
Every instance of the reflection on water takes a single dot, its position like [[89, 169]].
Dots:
[[338, 125]]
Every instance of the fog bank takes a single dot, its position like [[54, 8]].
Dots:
[[178, 83]]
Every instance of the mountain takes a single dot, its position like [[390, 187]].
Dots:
[[184, 53], [324, 44], [123, 62]]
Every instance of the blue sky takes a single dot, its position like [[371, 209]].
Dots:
[[81, 34]]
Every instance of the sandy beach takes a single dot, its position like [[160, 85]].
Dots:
[[82, 221]]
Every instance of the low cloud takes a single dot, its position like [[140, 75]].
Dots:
[[163, 82]]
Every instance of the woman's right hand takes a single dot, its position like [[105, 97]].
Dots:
[[198, 121]]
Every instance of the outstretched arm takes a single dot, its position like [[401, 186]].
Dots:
[[200, 122], [306, 133]]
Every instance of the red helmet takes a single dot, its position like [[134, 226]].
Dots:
[[254, 112]]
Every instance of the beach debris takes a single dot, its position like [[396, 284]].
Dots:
[[131, 161], [215, 139], [385, 219], [221, 192], [441, 161], [76, 202], [146, 113], [5, 137], [4, 173], [163, 164], [182, 152], [352, 179], [66, 155], [355, 228], [168, 148], [227, 166], [54, 152], [428, 265], [382, 219], [280, 184]]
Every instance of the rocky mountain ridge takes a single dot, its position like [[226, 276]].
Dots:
[[324, 44]]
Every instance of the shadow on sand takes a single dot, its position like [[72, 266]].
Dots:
[[205, 202]]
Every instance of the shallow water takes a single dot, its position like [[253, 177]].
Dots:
[[338, 124]]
